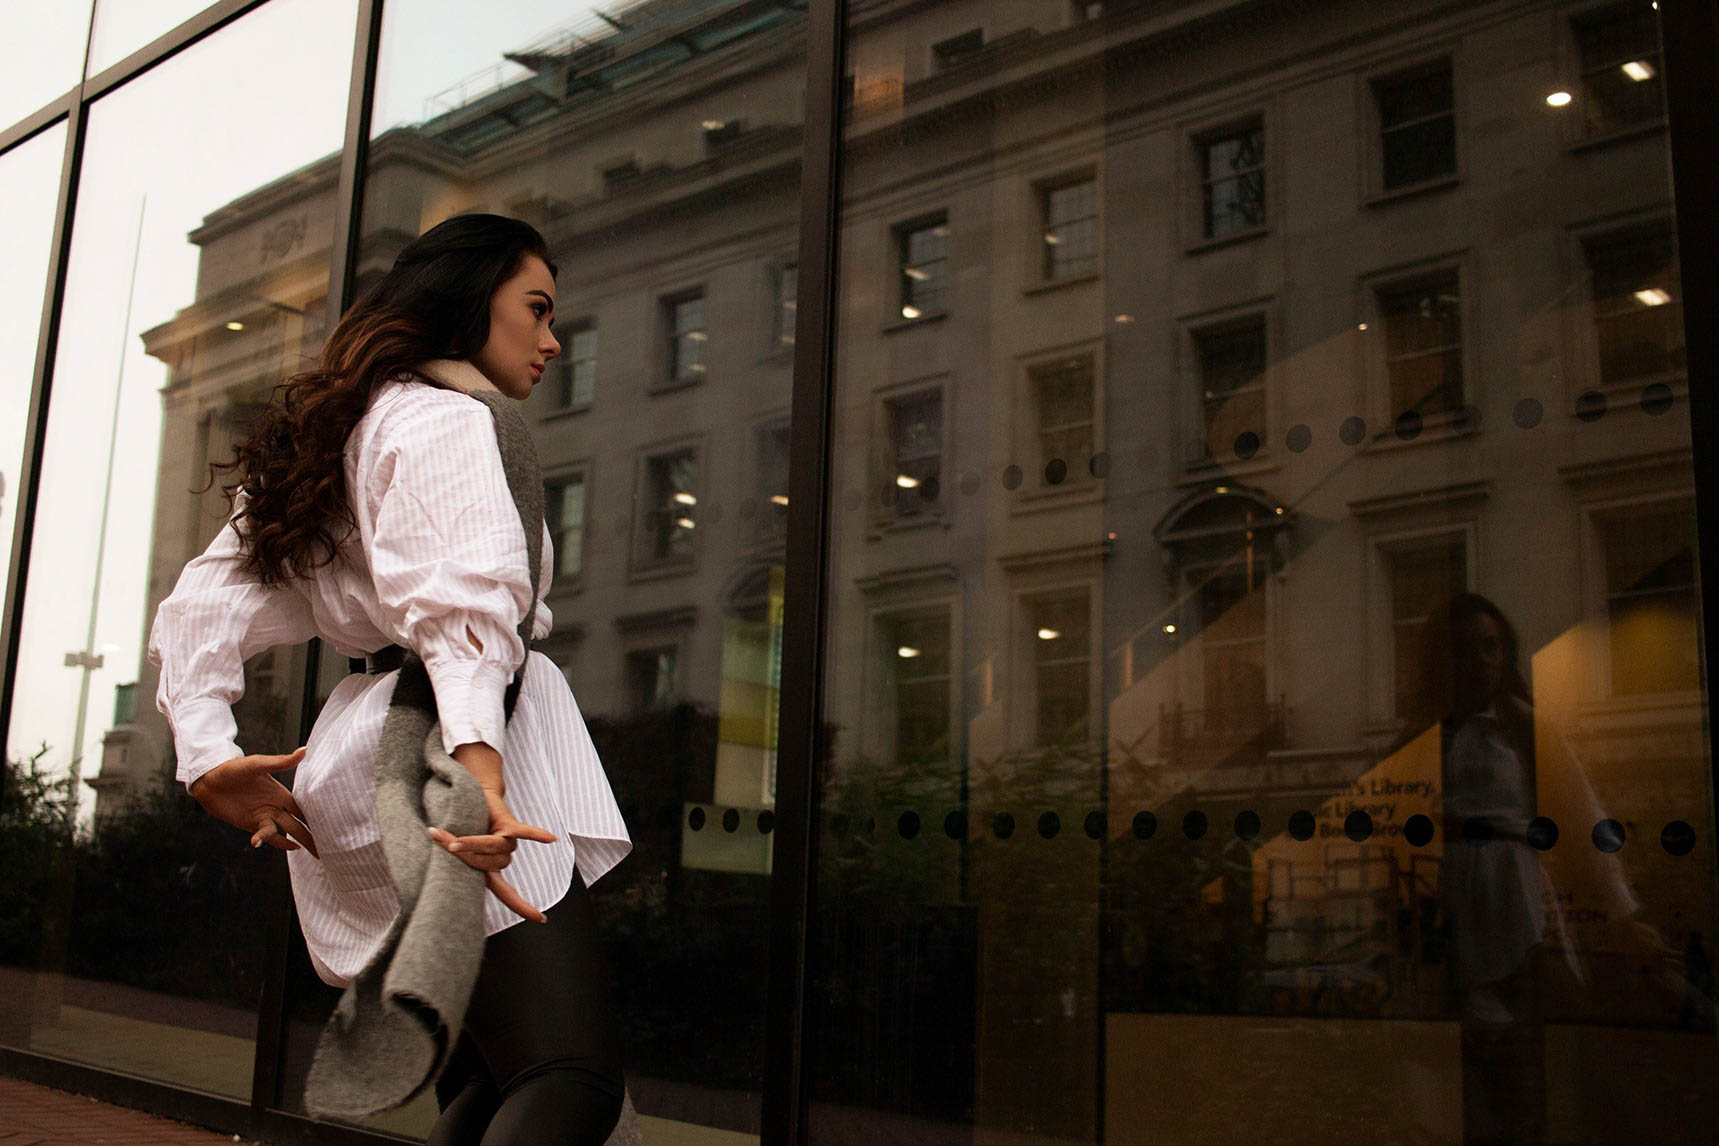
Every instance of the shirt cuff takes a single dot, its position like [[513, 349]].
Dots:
[[469, 702], [204, 730]]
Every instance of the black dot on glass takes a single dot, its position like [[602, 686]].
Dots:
[[955, 825], [1418, 831], [970, 483], [1590, 405], [766, 822], [731, 820], [1408, 425], [1194, 825], [1145, 825], [1528, 413], [1099, 465], [1094, 825], [695, 819], [908, 825], [1012, 477], [1358, 826], [1055, 471], [1656, 399], [1247, 444], [1542, 833], [1608, 836], [1003, 825], [929, 489], [1248, 825], [839, 825], [1477, 829], [1049, 825], [1300, 436], [1301, 825], [1678, 838], [1352, 431]]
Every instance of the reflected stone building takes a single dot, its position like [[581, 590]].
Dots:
[[1181, 381]]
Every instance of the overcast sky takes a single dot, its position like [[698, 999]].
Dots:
[[258, 100]]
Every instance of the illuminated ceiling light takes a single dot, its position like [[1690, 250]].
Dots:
[[778, 499], [1052, 238], [683, 522], [685, 498], [1362, 326], [1558, 99], [1652, 296], [235, 325], [940, 230], [1638, 70], [910, 312], [697, 335], [1279, 511], [1049, 634], [1223, 489], [907, 652], [1171, 629], [1124, 319], [915, 274], [906, 482], [715, 124], [1111, 535]]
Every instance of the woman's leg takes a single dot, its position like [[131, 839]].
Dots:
[[540, 1020]]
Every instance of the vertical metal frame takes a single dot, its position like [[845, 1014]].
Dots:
[[799, 739], [1690, 33]]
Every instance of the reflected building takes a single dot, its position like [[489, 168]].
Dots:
[[1181, 382]]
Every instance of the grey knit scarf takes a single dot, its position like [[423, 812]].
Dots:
[[397, 1023]]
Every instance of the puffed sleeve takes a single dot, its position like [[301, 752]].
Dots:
[[217, 616], [448, 559]]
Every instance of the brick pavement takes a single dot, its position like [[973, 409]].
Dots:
[[32, 1115]]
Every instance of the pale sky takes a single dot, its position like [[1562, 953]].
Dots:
[[252, 103]]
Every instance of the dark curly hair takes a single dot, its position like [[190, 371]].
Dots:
[[433, 303]]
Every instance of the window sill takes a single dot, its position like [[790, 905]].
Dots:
[[1412, 190], [1621, 135], [1437, 428], [672, 385], [1046, 286], [1628, 390], [1204, 471], [929, 518], [910, 323], [1084, 491], [1232, 239], [562, 413], [662, 570]]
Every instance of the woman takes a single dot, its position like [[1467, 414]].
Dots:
[[371, 509]]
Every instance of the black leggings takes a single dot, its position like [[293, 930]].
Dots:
[[539, 1062]]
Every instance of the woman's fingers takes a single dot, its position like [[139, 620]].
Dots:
[[281, 829], [511, 899], [521, 831]]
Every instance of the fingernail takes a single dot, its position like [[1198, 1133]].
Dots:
[[454, 847]]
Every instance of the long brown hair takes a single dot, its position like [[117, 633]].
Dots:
[[433, 303]]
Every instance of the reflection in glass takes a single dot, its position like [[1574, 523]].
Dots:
[[123, 26], [41, 54], [146, 953], [1322, 731]]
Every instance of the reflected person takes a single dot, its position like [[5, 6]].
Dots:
[[372, 507]]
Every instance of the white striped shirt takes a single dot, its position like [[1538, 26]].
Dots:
[[438, 554]]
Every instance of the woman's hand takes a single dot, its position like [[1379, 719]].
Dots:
[[492, 852], [243, 792]]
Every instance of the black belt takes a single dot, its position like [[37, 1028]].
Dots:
[[385, 659]]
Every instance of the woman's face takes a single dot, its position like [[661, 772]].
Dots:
[[520, 343]]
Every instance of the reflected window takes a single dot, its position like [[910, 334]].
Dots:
[[687, 335], [670, 507], [576, 381], [564, 510], [1651, 599], [1423, 344], [914, 481], [956, 49], [1232, 171], [1231, 600], [917, 682], [786, 303], [1062, 394], [1621, 83], [1231, 358], [923, 252], [1425, 576], [1638, 309], [1417, 125], [1069, 216], [651, 678], [773, 481], [1059, 626]]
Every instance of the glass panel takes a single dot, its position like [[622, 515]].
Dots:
[[147, 953], [1352, 773], [40, 54], [123, 26], [656, 145], [29, 187]]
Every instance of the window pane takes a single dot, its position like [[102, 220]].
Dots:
[[1622, 85], [40, 55], [176, 325], [123, 26]]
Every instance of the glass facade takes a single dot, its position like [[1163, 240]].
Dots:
[[1256, 629]]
